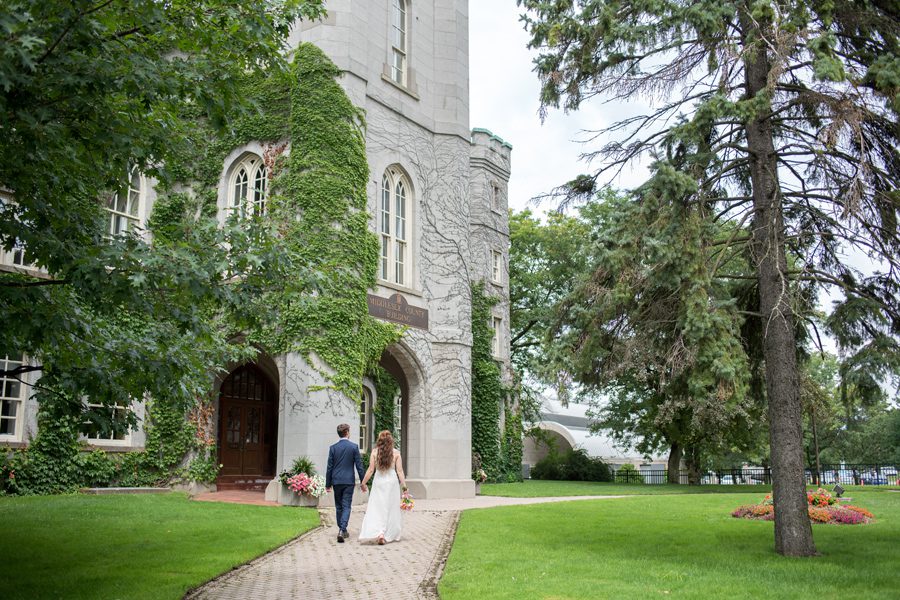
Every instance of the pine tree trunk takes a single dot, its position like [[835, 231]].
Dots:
[[793, 533], [674, 465]]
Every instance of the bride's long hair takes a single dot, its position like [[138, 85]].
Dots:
[[385, 447]]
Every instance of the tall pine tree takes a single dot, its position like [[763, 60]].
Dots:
[[784, 115]]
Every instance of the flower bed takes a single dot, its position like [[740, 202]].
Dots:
[[823, 508]]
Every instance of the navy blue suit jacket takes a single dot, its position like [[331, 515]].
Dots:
[[343, 455]]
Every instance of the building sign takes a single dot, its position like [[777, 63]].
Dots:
[[396, 310]]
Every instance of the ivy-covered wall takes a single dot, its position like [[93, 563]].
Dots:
[[500, 448], [386, 389], [315, 153], [487, 387]]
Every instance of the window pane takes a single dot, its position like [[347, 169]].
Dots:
[[240, 188], [259, 191], [385, 205], [8, 410], [400, 263], [13, 389], [401, 211], [398, 67], [385, 250]]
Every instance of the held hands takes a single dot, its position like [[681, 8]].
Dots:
[[363, 488]]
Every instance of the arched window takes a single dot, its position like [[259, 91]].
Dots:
[[124, 207], [396, 262], [399, 40], [249, 183]]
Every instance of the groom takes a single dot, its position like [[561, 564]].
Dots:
[[343, 455]]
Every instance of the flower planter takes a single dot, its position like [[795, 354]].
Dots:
[[290, 498], [477, 488]]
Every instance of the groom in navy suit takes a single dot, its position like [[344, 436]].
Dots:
[[342, 457]]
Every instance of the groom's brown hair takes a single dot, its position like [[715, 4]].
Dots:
[[343, 429]]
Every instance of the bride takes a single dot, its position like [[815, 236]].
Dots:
[[382, 520]]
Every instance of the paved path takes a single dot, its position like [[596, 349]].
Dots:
[[316, 566]]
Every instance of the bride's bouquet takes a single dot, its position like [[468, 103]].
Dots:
[[406, 500]]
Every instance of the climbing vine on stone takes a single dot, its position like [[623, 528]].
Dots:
[[386, 389], [487, 387]]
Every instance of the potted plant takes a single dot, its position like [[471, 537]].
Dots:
[[300, 485], [478, 473]]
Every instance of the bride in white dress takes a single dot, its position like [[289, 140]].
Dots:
[[382, 520]]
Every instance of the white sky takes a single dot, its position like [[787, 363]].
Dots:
[[504, 95]]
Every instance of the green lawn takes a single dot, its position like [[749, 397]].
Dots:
[[535, 488], [666, 546], [131, 546]]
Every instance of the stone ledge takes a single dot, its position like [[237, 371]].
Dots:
[[126, 490]]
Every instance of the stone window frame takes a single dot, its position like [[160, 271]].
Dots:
[[125, 440], [497, 333], [16, 400], [366, 413], [398, 42], [496, 197], [496, 266], [127, 214], [254, 183], [396, 260]]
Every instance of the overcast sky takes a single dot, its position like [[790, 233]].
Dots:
[[504, 99]]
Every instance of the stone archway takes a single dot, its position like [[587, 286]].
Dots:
[[553, 434], [402, 365]]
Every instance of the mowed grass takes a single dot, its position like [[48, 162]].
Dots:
[[132, 546], [685, 546], [535, 488]]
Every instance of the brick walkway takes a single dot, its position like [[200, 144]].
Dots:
[[316, 566]]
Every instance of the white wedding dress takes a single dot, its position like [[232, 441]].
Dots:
[[383, 512]]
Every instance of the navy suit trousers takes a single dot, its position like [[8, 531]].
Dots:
[[343, 499]]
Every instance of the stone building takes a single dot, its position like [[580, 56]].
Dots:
[[437, 200]]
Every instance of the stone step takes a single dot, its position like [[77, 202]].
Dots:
[[242, 482]]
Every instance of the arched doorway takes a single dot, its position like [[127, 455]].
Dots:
[[393, 367], [248, 418]]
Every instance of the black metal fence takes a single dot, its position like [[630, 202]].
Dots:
[[827, 475]]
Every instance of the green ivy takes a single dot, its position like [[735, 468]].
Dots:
[[512, 446], [51, 463], [386, 388], [324, 182], [487, 387], [317, 204]]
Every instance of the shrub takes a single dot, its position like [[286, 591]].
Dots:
[[549, 467], [97, 468], [574, 465], [628, 474]]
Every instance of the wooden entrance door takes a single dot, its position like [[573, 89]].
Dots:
[[247, 418]]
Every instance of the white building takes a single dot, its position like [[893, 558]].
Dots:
[[443, 184], [569, 427]]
